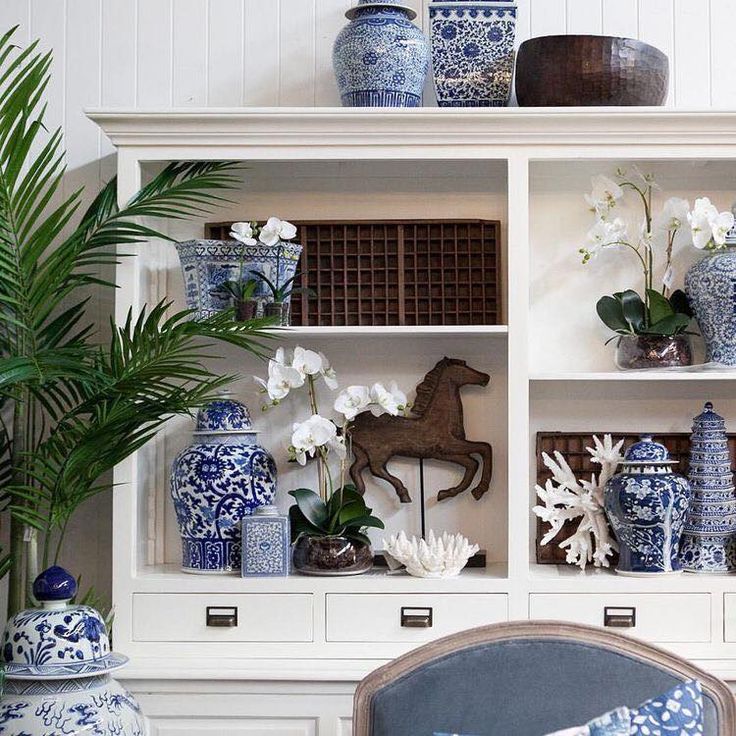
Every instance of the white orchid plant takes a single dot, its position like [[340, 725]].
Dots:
[[337, 509], [566, 498], [660, 310]]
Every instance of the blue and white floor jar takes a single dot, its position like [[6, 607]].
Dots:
[[222, 477], [381, 58], [646, 504], [57, 663], [472, 52]]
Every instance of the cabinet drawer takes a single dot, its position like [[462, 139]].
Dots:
[[729, 617], [657, 617], [200, 617], [408, 618]]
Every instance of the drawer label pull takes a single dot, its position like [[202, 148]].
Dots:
[[619, 617], [416, 617], [222, 616]]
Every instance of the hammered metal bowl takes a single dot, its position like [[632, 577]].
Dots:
[[563, 71]]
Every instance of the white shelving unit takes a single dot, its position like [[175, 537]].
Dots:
[[550, 371]]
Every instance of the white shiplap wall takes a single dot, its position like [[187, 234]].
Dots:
[[178, 53]]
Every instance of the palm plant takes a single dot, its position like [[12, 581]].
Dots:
[[74, 407]]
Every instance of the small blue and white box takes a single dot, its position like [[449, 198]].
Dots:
[[266, 544]]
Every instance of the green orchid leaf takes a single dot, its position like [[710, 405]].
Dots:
[[312, 506], [680, 303], [669, 326], [633, 309], [659, 307], [612, 314]]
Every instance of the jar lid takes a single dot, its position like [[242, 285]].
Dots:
[[58, 641], [709, 416], [267, 510], [224, 415], [352, 13], [647, 452]]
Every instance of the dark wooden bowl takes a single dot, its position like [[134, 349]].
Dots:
[[563, 71]]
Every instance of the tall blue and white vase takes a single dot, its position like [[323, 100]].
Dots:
[[711, 287], [222, 477], [381, 58], [472, 52], [57, 664], [646, 504], [709, 542]]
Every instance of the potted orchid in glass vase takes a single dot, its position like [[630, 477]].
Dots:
[[328, 526], [651, 326]]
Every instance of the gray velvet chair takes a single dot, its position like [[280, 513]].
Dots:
[[525, 679]]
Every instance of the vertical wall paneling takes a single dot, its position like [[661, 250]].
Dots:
[[225, 61], [692, 46], [584, 16], [523, 21], [329, 19], [154, 44], [723, 58], [297, 41], [15, 13], [657, 27], [548, 17], [621, 17], [191, 20], [261, 63]]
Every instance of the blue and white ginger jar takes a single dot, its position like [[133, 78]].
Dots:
[[222, 477], [207, 264], [711, 287], [57, 662], [472, 52], [646, 504], [381, 58]]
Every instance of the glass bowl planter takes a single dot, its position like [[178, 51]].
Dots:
[[636, 352], [331, 556]]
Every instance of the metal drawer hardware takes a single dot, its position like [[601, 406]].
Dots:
[[416, 617], [619, 617], [222, 616]]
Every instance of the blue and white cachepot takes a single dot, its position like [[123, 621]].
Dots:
[[57, 663], [207, 264], [472, 52], [381, 58], [223, 476], [646, 504]]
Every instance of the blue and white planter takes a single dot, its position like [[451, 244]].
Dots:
[[472, 52], [57, 662], [207, 264], [222, 477], [646, 504], [381, 58]]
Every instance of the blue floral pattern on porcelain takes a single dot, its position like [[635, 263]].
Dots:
[[472, 52], [381, 59], [224, 415]]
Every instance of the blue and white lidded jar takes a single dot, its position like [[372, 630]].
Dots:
[[57, 663], [472, 51], [266, 543], [381, 58], [646, 504], [222, 477]]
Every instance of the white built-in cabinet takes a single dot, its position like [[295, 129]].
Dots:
[[301, 644]]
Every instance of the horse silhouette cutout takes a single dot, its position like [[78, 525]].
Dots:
[[436, 431]]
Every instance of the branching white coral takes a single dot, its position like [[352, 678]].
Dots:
[[566, 498], [437, 557]]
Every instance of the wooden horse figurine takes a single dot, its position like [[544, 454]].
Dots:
[[436, 432]]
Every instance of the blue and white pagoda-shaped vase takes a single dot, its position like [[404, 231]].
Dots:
[[472, 51], [646, 504], [381, 58], [709, 542], [222, 477], [711, 288], [57, 663]]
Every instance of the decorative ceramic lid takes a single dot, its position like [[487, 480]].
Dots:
[[224, 415], [364, 4], [731, 235], [709, 416], [647, 452], [58, 641]]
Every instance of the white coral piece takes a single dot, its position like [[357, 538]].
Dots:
[[566, 498], [437, 557]]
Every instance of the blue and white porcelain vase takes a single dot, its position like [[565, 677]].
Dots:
[[472, 52], [223, 476], [646, 504], [207, 264], [709, 542], [57, 663], [381, 58], [266, 543], [711, 287]]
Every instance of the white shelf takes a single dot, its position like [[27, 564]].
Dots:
[[403, 331], [634, 376]]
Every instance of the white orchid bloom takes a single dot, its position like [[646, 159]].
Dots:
[[281, 379], [720, 227], [276, 230], [311, 434], [604, 234], [605, 193], [352, 401], [339, 447], [307, 362], [387, 401], [674, 213], [243, 232], [280, 356], [328, 373], [709, 227]]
